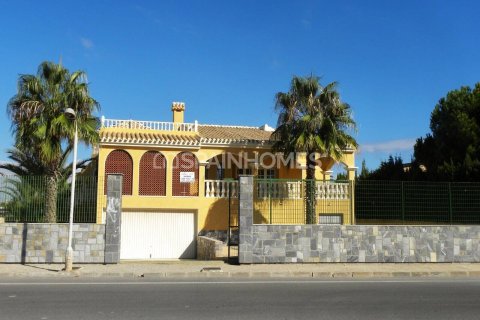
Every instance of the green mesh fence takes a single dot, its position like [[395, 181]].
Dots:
[[283, 201], [22, 199], [417, 202]]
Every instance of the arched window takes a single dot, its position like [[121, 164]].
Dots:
[[119, 161], [215, 169], [185, 175], [152, 174]]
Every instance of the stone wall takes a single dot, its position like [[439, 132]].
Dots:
[[220, 235], [211, 249], [350, 243], [46, 243], [317, 243]]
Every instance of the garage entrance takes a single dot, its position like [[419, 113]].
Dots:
[[157, 235]]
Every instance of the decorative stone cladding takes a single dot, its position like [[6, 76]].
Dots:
[[350, 243], [317, 243], [46, 243]]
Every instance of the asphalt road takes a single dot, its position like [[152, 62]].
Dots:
[[248, 299]]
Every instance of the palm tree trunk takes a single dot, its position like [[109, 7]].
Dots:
[[51, 193], [310, 198]]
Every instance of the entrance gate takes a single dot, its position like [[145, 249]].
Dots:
[[233, 226]]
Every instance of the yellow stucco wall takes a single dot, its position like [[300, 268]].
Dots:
[[292, 211], [212, 213]]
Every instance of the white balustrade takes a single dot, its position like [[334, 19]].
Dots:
[[295, 190], [221, 189], [150, 125], [279, 189], [332, 190]]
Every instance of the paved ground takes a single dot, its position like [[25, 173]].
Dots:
[[248, 299], [193, 268]]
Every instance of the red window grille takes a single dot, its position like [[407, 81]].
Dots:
[[184, 162], [120, 162], [152, 174]]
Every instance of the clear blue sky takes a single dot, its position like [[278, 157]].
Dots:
[[227, 59]]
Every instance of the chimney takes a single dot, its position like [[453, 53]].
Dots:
[[178, 109]]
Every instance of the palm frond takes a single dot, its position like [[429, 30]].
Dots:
[[312, 118], [37, 113]]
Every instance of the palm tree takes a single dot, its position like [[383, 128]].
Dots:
[[24, 163], [40, 126], [24, 198], [23, 188], [313, 120]]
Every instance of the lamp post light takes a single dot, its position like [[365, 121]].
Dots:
[[72, 116]]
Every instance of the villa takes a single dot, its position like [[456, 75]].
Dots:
[[179, 178]]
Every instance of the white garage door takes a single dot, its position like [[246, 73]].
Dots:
[[158, 235]]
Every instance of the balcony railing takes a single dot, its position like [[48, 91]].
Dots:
[[149, 125], [296, 190], [221, 189], [279, 189], [332, 190]]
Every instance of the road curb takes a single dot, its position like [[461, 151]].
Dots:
[[306, 274], [249, 274]]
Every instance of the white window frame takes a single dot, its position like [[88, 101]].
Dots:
[[267, 173]]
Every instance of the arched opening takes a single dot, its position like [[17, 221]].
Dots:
[[152, 175], [120, 162], [339, 172], [185, 175], [215, 168]]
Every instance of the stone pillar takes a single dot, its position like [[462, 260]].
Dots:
[[113, 218], [352, 173], [245, 212]]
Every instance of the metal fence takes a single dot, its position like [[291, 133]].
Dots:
[[22, 199], [417, 202], [233, 223], [281, 201]]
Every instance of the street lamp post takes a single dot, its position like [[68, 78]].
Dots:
[[71, 115]]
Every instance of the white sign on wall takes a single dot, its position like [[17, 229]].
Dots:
[[187, 177]]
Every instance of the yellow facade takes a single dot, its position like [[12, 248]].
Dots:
[[292, 211], [211, 212]]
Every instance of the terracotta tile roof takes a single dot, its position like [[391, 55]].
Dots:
[[207, 134], [232, 134], [148, 138]]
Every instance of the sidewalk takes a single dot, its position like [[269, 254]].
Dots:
[[196, 268]]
